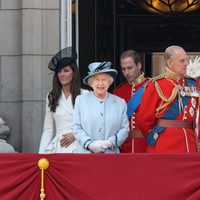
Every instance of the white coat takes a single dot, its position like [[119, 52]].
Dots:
[[60, 121]]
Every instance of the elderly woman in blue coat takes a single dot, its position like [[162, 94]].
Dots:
[[100, 122]]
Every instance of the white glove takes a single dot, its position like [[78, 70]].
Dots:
[[108, 144], [193, 68], [98, 146]]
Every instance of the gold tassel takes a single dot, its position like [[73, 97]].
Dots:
[[43, 164]]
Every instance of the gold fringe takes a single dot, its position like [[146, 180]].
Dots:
[[43, 164], [164, 99]]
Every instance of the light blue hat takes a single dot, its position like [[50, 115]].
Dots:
[[100, 67]]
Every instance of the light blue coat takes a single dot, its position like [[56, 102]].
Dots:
[[96, 119]]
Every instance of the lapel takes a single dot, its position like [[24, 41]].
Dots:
[[66, 103]]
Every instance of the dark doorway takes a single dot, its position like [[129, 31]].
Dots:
[[108, 27]]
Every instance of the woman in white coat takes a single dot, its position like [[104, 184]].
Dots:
[[100, 122], [57, 135]]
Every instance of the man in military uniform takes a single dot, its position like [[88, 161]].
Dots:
[[131, 66], [168, 110]]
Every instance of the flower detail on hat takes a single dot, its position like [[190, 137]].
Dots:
[[103, 65]]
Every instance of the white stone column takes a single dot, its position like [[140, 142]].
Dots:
[[29, 37], [41, 38]]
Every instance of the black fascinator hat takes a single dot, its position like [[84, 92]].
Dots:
[[63, 58]]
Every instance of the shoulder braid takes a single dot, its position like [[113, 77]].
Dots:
[[166, 100], [155, 78]]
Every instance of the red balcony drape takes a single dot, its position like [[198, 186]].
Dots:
[[101, 177]]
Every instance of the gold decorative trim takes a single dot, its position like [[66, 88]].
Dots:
[[43, 164], [138, 80], [171, 75], [155, 78]]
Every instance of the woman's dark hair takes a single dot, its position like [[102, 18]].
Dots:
[[55, 93]]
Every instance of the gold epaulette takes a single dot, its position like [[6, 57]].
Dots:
[[155, 78]]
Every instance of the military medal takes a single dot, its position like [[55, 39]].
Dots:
[[182, 93], [187, 91], [194, 92]]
